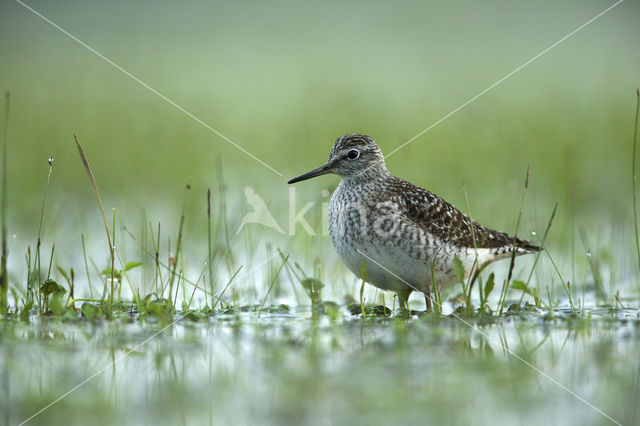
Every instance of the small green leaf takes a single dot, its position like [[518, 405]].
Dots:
[[91, 311], [313, 287], [149, 297], [130, 265], [312, 284], [160, 309], [488, 287], [519, 285], [459, 268], [57, 305], [194, 316], [70, 315], [50, 286], [116, 273]]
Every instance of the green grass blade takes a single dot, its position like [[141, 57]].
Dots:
[[4, 280], [92, 180], [633, 177]]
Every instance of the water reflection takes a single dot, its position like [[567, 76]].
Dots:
[[294, 368]]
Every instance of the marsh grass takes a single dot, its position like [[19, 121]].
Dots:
[[92, 180], [168, 279], [171, 291], [4, 279], [633, 178], [505, 285], [33, 293], [273, 281], [209, 248], [468, 285]]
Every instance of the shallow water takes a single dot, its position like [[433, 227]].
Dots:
[[299, 368]]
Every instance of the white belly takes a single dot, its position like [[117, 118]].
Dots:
[[385, 268]]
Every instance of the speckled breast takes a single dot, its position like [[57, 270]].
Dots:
[[369, 228]]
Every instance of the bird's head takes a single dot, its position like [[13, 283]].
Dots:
[[352, 155]]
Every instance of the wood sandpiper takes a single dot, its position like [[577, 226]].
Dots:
[[407, 236]]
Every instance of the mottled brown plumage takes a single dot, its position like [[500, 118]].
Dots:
[[448, 223]]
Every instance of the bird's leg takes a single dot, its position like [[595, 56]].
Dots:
[[427, 299], [403, 299]]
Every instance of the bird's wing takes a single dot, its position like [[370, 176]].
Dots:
[[449, 224]]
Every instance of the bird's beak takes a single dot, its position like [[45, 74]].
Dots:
[[322, 170]]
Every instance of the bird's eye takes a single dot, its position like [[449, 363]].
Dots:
[[353, 154]]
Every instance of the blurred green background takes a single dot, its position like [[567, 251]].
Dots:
[[283, 79]]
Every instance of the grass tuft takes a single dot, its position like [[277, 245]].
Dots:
[[273, 281], [4, 279], [34, 278], [210, 253], [505, 286], [175, 259], [633, 177], [87, 168]]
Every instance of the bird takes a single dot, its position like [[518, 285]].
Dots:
[[399, 236]]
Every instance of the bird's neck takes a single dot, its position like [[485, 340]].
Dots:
[[371, 175]]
